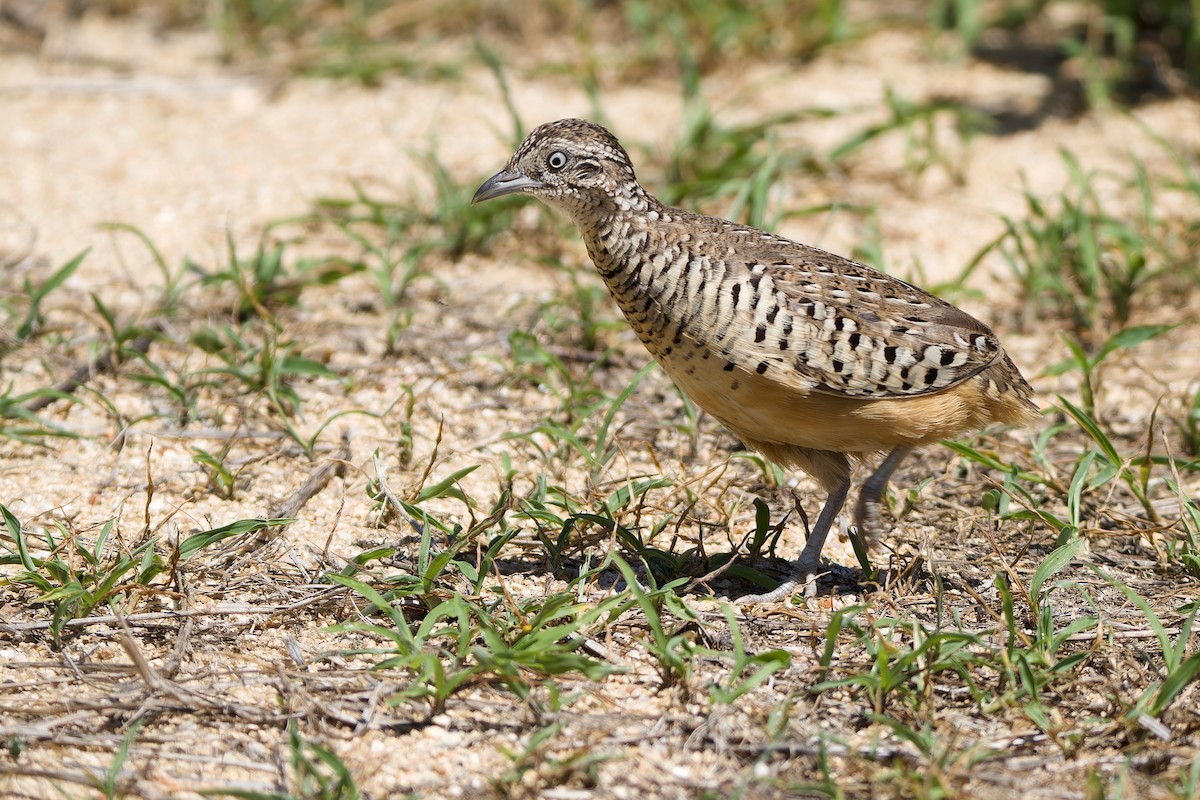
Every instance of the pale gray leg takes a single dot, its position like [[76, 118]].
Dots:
[[866, 513], [809, 562], [866, 519]]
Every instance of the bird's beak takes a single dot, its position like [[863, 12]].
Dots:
[[502, 183]]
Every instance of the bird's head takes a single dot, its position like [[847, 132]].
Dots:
[[571, 164]]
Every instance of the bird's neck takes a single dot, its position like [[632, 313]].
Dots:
[[618, 226]]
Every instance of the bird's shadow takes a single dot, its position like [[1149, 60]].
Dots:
[[1066, 96]]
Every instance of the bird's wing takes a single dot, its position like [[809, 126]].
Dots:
[[831, 325]]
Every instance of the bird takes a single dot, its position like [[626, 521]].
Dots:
[[813, 360]]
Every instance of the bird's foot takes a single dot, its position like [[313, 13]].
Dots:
[[803, 576]]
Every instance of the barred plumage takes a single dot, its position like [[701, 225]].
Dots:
[[806, 356]]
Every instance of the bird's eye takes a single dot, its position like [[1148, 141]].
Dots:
[[557, 160]]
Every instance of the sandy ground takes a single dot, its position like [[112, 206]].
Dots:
[[115, 122]]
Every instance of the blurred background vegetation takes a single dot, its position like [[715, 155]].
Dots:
[[1099, 50]]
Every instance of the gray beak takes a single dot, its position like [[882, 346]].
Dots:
[[502, 183]]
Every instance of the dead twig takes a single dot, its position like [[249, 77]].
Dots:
[[127, 787], [156, 616], [290, 507], [382, 483], [84, 373], [335, 467]]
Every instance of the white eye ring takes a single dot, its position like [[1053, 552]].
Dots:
[[557, 160]]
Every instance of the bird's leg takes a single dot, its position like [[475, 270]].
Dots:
[[809, 562], [866, 513]]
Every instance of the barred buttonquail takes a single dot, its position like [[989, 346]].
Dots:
[[807, 357]]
